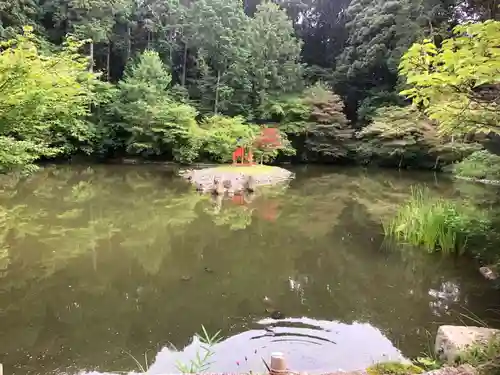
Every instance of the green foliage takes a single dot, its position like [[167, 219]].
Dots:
[[268, 152], [483, 356], [436, 224], [457, 82], [377, 99], [394, 368], [15, 14], [328, 131], [402, 136], [428, 363], [479, 165], [274, 53], [156, 123], [223, 134], [378, 34], [44, 102], [290, 112]]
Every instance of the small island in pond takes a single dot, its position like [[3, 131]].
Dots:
[[235, 179]]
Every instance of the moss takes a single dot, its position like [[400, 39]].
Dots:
[[394, 368]]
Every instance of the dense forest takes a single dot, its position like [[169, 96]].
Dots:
[[401, 83]]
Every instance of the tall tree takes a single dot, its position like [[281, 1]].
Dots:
[[379, 32], [274, 64], [220, 34], [156, 124], [14, 14]]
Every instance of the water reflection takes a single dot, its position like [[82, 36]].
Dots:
[[97, 262], [308, 344]]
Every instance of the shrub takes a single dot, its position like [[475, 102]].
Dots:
[[479, 165], [45, 102], [156, 124], [222, 135], [436, 224], [402, 136]]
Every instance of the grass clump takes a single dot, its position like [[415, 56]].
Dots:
[[479, 165], [394, 368], [485, 356], [436, 224]]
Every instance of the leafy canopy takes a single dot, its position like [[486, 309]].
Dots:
[[45, 101], [458, 84], [157, 124]]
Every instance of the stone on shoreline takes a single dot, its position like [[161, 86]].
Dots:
[[452, 341]]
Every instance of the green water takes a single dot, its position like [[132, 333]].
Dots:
[[101, 263]]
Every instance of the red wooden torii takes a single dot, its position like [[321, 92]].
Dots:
[[243, 154], [269, 138]]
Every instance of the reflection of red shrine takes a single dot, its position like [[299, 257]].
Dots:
[[266, 210]]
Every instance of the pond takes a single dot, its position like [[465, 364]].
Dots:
[[103, 264]]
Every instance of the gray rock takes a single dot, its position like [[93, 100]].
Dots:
[[488, 273], [452, 341]]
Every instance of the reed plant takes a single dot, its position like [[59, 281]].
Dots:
[[436, 224]]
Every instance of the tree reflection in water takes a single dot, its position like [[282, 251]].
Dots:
[[98, 261]]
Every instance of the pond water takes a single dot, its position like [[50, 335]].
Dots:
[[104, 263]]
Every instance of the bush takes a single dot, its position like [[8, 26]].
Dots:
[[155, 123], [222, 135], [436, 224], [479, 165], [45, 102], [403, 137]]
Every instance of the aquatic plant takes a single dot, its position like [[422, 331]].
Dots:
[[201, 362], [479, 165], [435, 224], [394, 368]]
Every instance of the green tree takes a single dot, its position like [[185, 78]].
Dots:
[[379, 32], [458, 83], [402, 137], [157, 125], [14, 14], [274, 63], [44, 102], [224, 134], [329, 132], [220, 35]]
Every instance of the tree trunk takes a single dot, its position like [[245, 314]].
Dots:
[[91, 67], [184, 65], [129, 42], [108, 61], [216, 105]]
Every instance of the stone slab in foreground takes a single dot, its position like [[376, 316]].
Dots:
[[451, 341]]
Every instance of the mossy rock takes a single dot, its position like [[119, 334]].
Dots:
[[394, 368]]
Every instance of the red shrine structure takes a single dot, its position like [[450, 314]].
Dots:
[[269, 138], [243, 154]]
